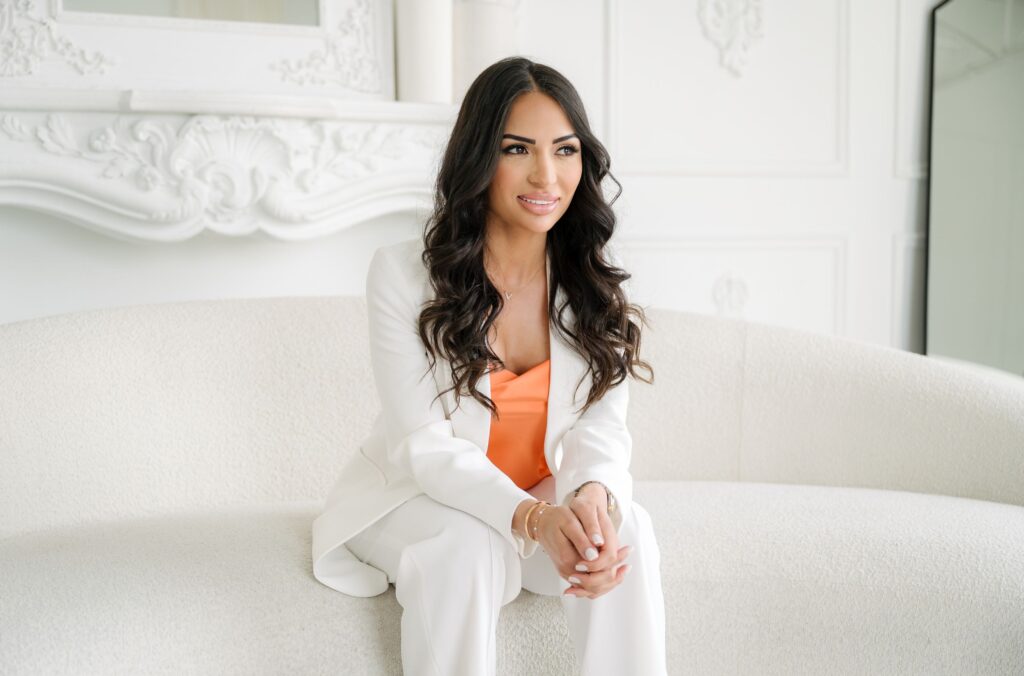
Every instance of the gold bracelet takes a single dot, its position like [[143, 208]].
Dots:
[[526, 519], [540, 511]]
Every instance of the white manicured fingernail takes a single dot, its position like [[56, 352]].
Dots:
[[598, 540], [590, 554], [574, 579], [582, 567]]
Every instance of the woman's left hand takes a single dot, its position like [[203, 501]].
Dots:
[[591, 508]]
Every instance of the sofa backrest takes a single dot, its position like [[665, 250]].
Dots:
[[155, 408], [744, 401], [149, 409]]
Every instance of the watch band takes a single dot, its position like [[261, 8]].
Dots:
[[612, 503]]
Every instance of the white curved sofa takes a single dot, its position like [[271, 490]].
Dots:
[[822, 505]]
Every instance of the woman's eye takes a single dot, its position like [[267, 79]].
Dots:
[[508, 149]]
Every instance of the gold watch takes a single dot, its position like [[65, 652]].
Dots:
[[612, 504]]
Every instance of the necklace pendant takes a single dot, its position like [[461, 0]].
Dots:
[[508, 295]]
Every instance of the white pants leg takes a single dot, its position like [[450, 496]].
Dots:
[[623, 631], [452, 574]]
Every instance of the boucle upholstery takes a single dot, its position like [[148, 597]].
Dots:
[[822, 505]]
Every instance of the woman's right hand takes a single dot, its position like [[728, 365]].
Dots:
[[562, 536]]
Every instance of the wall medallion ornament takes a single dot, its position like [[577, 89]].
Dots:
[[26, 40], [732, 26], [729, 293]]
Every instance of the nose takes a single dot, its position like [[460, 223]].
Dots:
[[543, 173]]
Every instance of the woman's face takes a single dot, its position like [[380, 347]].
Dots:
[[539, 159]]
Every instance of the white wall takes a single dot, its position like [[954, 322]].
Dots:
[[782, 182], [49, 267]]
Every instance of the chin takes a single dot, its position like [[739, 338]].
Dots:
[[541, 227]]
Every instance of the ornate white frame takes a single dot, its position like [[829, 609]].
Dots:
[[145, 156], [349, 56]]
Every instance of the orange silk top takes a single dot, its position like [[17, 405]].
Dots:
[[516, 444]]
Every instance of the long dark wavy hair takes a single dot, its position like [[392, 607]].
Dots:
[[456, 321]]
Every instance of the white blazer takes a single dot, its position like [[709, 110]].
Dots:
[[417, 446]]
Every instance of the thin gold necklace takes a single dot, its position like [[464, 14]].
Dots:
[[507, 293]]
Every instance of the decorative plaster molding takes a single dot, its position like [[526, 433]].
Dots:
[[26, 41], [349, 57], [233, 175], [349, 60], [732, 26], [729, 293]]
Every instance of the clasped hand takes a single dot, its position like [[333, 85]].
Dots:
[[569, 533]]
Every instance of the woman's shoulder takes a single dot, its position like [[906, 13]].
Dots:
[[399, 267], [405, 253]]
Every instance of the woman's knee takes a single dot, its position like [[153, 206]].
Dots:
[[459, 545]]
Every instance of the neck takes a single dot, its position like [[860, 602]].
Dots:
[[516, 257]]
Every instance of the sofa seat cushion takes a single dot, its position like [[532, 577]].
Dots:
[[758, 578]]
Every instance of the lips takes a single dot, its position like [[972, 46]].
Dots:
[[540, 197], [539, 209]]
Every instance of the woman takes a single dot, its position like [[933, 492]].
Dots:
[[503, 393]]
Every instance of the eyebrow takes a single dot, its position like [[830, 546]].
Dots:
[[534, 142]]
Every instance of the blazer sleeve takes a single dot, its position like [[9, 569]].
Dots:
[[420, 438], [598, 447]]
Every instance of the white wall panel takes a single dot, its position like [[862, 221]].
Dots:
[[798, 283], [683, 106]]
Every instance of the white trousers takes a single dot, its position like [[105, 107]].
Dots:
[[452, 574]]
